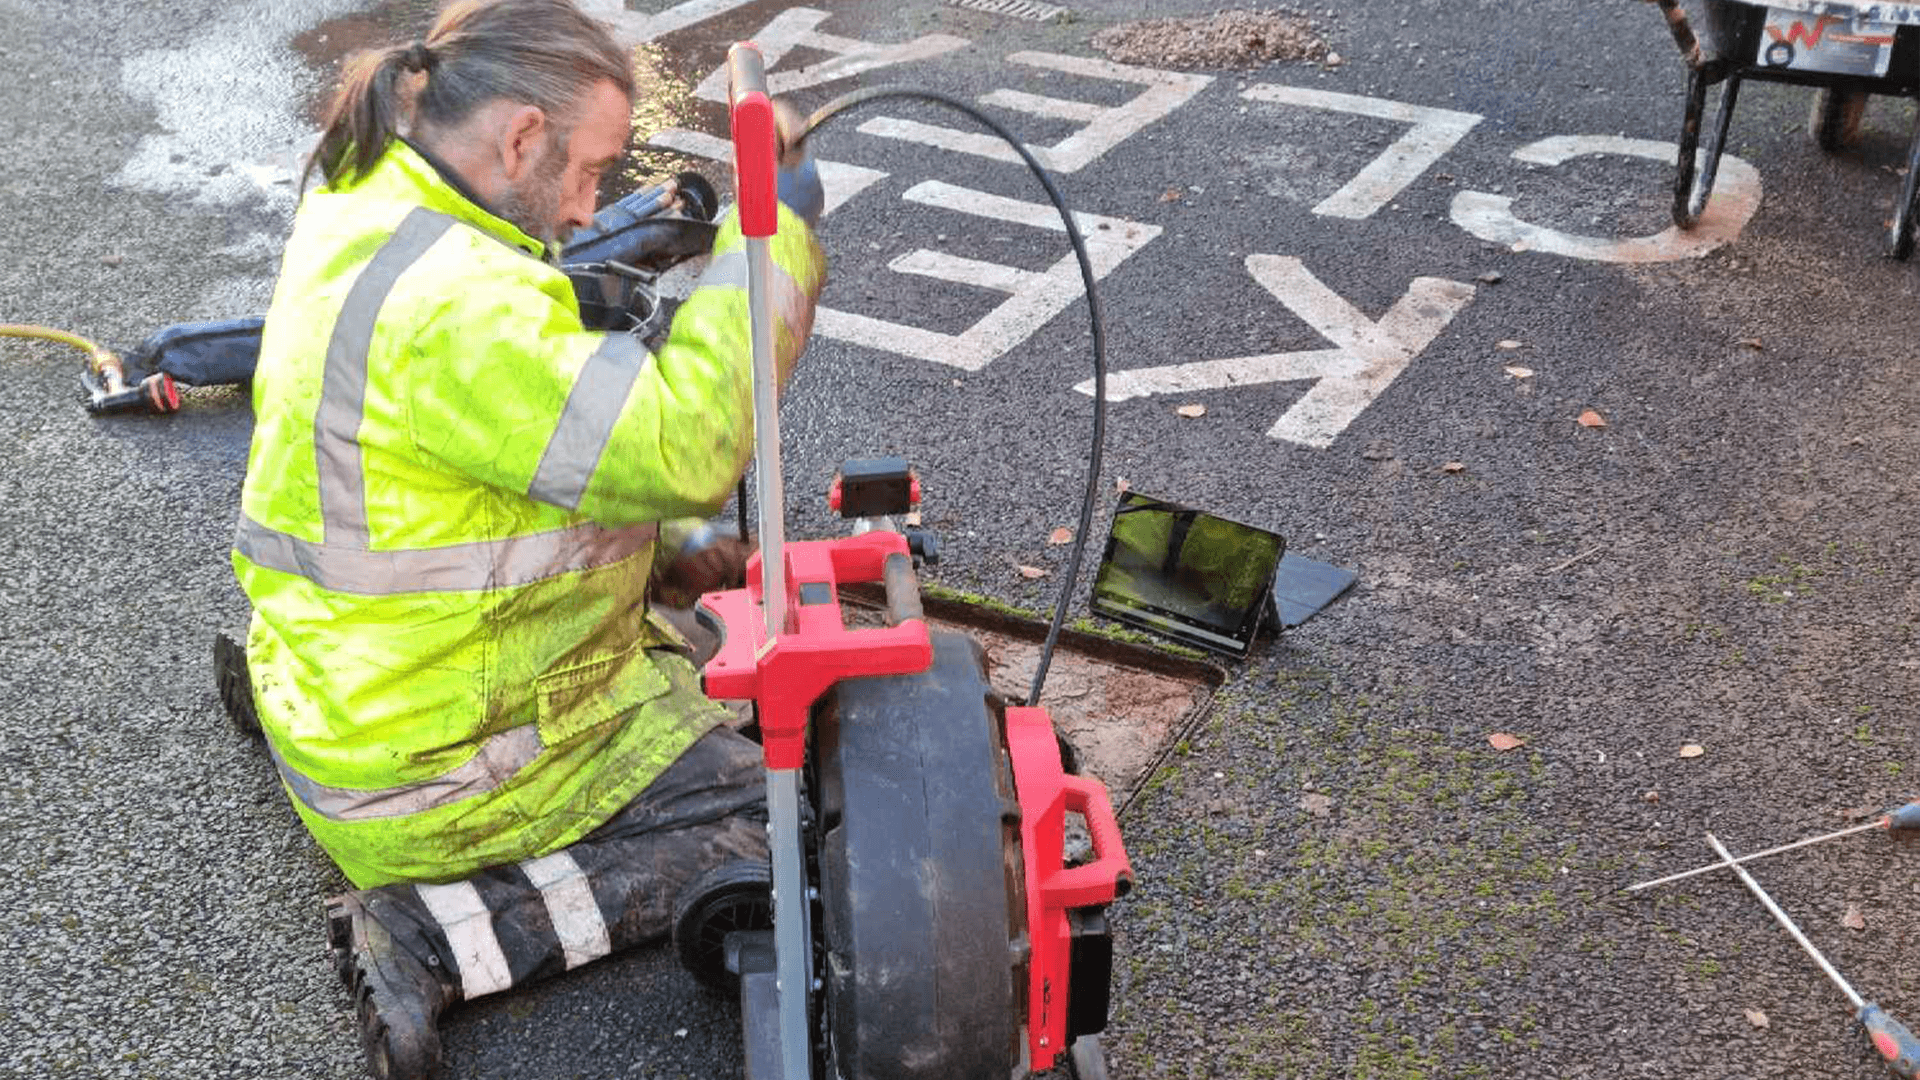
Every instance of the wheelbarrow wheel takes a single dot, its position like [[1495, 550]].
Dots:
[[1836, 116], [1906, 207]]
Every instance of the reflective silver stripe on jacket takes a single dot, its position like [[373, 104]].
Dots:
[[728, 271], [470, 567], [791, 304], [343, 384], [498, 758], [586, 424]]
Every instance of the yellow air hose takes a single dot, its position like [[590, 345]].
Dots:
[[98, 358]]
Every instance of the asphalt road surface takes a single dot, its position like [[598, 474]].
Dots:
[[1396, 284]]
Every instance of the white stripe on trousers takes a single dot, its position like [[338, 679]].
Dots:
[[469, 928], [577, 921]]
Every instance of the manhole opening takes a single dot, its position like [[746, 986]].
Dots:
[[1123, 705]]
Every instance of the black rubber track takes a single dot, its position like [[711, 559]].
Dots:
[[920, 874]]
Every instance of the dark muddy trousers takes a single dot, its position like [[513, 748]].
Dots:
[[614, 889]]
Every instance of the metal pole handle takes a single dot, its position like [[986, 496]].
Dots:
[[756, 186]]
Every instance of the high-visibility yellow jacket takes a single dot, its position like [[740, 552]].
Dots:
[[449, 519]]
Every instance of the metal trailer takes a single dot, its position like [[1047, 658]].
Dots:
[[1848, 50]]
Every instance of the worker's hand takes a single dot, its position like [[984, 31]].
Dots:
[[799, 178], [715, 562]]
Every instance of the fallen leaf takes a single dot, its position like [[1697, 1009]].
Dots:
[[1061, 535], [1192, 412], [1492, 277], [912, 518], [1120, 485], [1031, 573], [1454, 467], [1503, 742], [1172, 194], [1316, 804], [1758, 1019], [1592, 419], [1508, 344], [1520, 246], [1519, 372], [1692, 749], [1853, 920], [1751, 343], [1651, 796]]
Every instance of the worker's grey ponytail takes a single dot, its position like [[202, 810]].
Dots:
[[545, 53]]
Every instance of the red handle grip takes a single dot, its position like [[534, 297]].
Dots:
[[1110, 874], [756, 152]]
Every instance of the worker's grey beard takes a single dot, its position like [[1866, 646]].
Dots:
[[533, 206]]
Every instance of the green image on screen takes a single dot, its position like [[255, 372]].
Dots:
[[1191, 575]]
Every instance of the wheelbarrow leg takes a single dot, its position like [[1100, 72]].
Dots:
[[1689, 206], [1900, 238], [1834, 120], [1683, 166]]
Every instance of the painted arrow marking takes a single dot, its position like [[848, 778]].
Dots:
[[1367, 355], [635, 28], [799, 28]]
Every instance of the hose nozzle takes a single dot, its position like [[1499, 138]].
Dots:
[[106, 375]]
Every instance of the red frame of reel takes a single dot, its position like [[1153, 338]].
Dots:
[[1046, 794], [786, 676]]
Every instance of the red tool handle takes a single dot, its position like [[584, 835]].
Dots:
[[1110, 875], [1892, 1039], [756, 141]]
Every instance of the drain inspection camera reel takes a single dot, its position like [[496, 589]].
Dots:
[[925, 922]]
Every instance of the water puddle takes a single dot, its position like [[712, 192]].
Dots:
[[664, 81]]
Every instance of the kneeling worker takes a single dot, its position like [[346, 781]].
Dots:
[[451, 518]]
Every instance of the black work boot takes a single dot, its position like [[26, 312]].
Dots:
[[398, 999], [236, 690]]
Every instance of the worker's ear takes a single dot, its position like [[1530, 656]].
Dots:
[[522, 138]]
